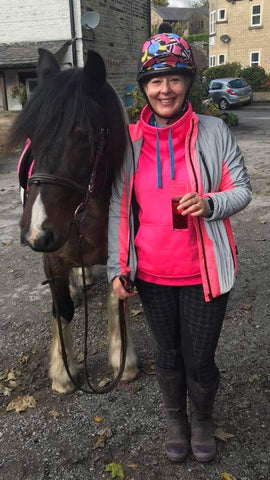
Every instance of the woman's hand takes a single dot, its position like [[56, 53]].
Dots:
[[194, 204], [119, 290]]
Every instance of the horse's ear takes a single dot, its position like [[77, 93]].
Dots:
[[47, 64], [94, 72]]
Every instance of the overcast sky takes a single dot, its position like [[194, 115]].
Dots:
[[179, 3]]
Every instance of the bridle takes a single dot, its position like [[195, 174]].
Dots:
[[88, 191]]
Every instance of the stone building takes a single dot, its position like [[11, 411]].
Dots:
[[194, 20], [239, 32], [116, 29]]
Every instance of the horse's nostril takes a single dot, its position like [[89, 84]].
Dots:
[[45, 241]]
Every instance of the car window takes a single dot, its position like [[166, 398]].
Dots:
[[238, 83], [216, 86]]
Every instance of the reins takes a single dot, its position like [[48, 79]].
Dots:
[[79, 215]]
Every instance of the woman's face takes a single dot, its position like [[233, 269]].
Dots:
[[166, 94]]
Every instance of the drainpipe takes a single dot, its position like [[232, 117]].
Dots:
[[149, 19], [73, 33]]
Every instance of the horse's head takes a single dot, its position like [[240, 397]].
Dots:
[[67, 120]]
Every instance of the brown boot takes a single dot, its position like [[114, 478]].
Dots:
[[202, 397], [172, 384]]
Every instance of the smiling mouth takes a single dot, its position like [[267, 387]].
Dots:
[[167, 101]]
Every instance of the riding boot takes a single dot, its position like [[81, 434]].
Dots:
[[173, 387], [201, 400]]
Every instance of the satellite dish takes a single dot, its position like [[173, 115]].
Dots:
[[90, 20], [225, 38]]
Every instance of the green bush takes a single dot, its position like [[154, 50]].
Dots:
[[254, 76], [197, 95], [198, 37], [223, 71], [138, 104]]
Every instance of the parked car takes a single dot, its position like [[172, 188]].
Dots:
[[230, 91]]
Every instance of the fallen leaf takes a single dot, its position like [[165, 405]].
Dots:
[[20, 404], [45, 310], [103, 435], [98, 419], [3, 374], [253, 378], [134, 466], [13, 384], [116, 470], [80, 357], [24, 359], [134, 312], [263, 222], [8, 243], [54, 413], [11, 375], [149, 367], [11, 270], [227, 476], [224, 436], [5, 390], [104, 382]]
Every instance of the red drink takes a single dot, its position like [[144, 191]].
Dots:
[[180, 222]]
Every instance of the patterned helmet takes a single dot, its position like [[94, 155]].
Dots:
[[165, 53]]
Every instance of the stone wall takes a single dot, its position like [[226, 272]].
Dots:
[[124, 26], [34, 20], [6, 120]]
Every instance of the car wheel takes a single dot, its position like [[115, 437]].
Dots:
[[223, 104]]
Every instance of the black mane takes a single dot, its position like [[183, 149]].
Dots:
[[58, 104]]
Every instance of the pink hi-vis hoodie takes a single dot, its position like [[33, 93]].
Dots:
[[165, 256], [215, 168]]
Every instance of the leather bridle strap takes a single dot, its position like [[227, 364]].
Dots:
[[39, 178]]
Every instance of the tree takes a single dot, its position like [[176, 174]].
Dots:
[[160, 3], [200, 3]]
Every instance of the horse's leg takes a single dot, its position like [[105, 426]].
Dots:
[[131, 369], [61, 382], [76, 284]]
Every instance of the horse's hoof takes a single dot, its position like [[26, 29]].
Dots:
[[129, 374], [63, 389]]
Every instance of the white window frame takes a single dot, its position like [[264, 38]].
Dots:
[[223, 55], [252, 15], [251, 63], [219, 19], [212, 60], [212, 22]]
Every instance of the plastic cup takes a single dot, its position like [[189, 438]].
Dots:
[[180, 222]]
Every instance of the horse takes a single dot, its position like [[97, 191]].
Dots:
[[76, 132]]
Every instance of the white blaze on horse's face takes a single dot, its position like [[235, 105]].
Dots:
[[38, 216]]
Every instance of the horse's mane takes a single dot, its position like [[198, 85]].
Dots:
[[60, 103]]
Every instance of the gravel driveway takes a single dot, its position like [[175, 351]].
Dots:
[[75, 437]]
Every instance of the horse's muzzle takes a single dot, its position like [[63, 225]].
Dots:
[[44, 241]]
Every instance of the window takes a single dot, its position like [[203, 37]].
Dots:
[[238, 83], [212, 61], [222, 15], [221, 59], [254, 59], [256, 15], [213, 22], [216, 86]]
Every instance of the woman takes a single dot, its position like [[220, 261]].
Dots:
[[183, 276]]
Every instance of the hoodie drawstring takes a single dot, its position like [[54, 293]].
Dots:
[[158, 163], [159, 181], [171, 154]]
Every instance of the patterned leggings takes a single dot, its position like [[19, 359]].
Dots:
[[185, 328]]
